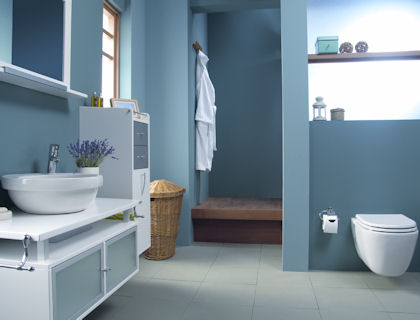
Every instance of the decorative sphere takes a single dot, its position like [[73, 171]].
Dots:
[[346, 47], [362, 46]]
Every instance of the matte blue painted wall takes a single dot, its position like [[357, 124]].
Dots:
[[133, 52], [119, 5], [361, 167], [138, 52], [125, 51], [38, 36], [86, 49], [244, 52], [6, 27], [294, 61], [167, 98], [30, 121], [231, 5], [198, 32]]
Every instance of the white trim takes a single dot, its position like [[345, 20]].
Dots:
[[67, 6]]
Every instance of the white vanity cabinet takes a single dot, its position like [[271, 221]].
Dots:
[[70, 277], [128, 177]]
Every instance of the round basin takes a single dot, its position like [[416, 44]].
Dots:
[[55, 193]]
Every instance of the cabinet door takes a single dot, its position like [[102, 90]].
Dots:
[[143, 222], [141, 157], [121, 258], [141, 191], [140, 134], [77, 284]]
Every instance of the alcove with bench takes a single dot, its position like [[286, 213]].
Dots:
[[239, 200]]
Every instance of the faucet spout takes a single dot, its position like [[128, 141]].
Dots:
[[53, 158]]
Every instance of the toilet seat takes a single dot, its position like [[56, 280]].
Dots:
[[387, 223]]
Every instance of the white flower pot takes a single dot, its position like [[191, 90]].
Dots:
[[88, 170]]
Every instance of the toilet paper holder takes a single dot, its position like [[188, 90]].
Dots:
[[329, 212]]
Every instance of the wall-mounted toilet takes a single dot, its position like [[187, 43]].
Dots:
[[385, 242]]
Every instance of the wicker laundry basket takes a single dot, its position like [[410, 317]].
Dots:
[[165, 209]]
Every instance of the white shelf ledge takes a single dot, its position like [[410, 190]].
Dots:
[[42, 227], [35, 81], [363, 56]]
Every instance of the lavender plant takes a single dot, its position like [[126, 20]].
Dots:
[[91, 153]]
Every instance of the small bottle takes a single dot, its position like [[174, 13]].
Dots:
[[94, 100], [100, 101]]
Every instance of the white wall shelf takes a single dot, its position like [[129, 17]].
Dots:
[[365, 56], [31, 80]]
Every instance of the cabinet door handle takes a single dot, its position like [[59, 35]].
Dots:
[[144, 184], [106, 269], [135, 212], [140, 133]]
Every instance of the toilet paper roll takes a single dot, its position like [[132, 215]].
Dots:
[[329, 224]]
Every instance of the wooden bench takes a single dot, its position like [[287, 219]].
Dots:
[[242, 220]]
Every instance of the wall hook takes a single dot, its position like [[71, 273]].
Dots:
[[197, 46]]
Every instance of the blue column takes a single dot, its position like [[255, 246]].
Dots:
[[167, 100], [295, 135]]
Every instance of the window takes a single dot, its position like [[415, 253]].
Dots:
[[110, 53], [375, 90]]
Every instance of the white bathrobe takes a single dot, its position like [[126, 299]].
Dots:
[[205, 116]]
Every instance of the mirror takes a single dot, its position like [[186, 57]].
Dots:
[[37, 42], [41, 37]]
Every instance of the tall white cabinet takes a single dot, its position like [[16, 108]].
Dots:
[[127, 177]]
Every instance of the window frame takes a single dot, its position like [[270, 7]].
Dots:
[[116, 38]]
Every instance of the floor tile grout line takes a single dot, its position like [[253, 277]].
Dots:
[[256, 284], [198, 287], [211, 265], [379, 300], [314, 292], [205, 276]]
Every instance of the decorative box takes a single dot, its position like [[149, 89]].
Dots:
[[326, 45]]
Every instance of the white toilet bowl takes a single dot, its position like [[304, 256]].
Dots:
[[385, 242]]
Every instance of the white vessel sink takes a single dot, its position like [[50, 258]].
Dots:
[[54, 193]]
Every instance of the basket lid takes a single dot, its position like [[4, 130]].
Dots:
[[165, 189]]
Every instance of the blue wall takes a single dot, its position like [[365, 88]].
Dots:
[[198, 32], [361, 167], [294, 61], [6, 27], [38, 36], [167, 100], [133, 52], [30, 121], [244, 52]]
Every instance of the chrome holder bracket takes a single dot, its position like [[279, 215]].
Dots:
[[330, 212], [21, 267]]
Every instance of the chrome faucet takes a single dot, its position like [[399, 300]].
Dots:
[[53, 158]]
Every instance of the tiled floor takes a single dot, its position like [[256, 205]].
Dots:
[[245, 282]]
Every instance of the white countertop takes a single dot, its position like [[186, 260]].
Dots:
[[43, 227]]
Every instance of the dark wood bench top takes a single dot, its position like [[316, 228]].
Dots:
[[239, 209]]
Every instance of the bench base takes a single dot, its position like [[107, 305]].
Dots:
[[238, 220], [238, 231]]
